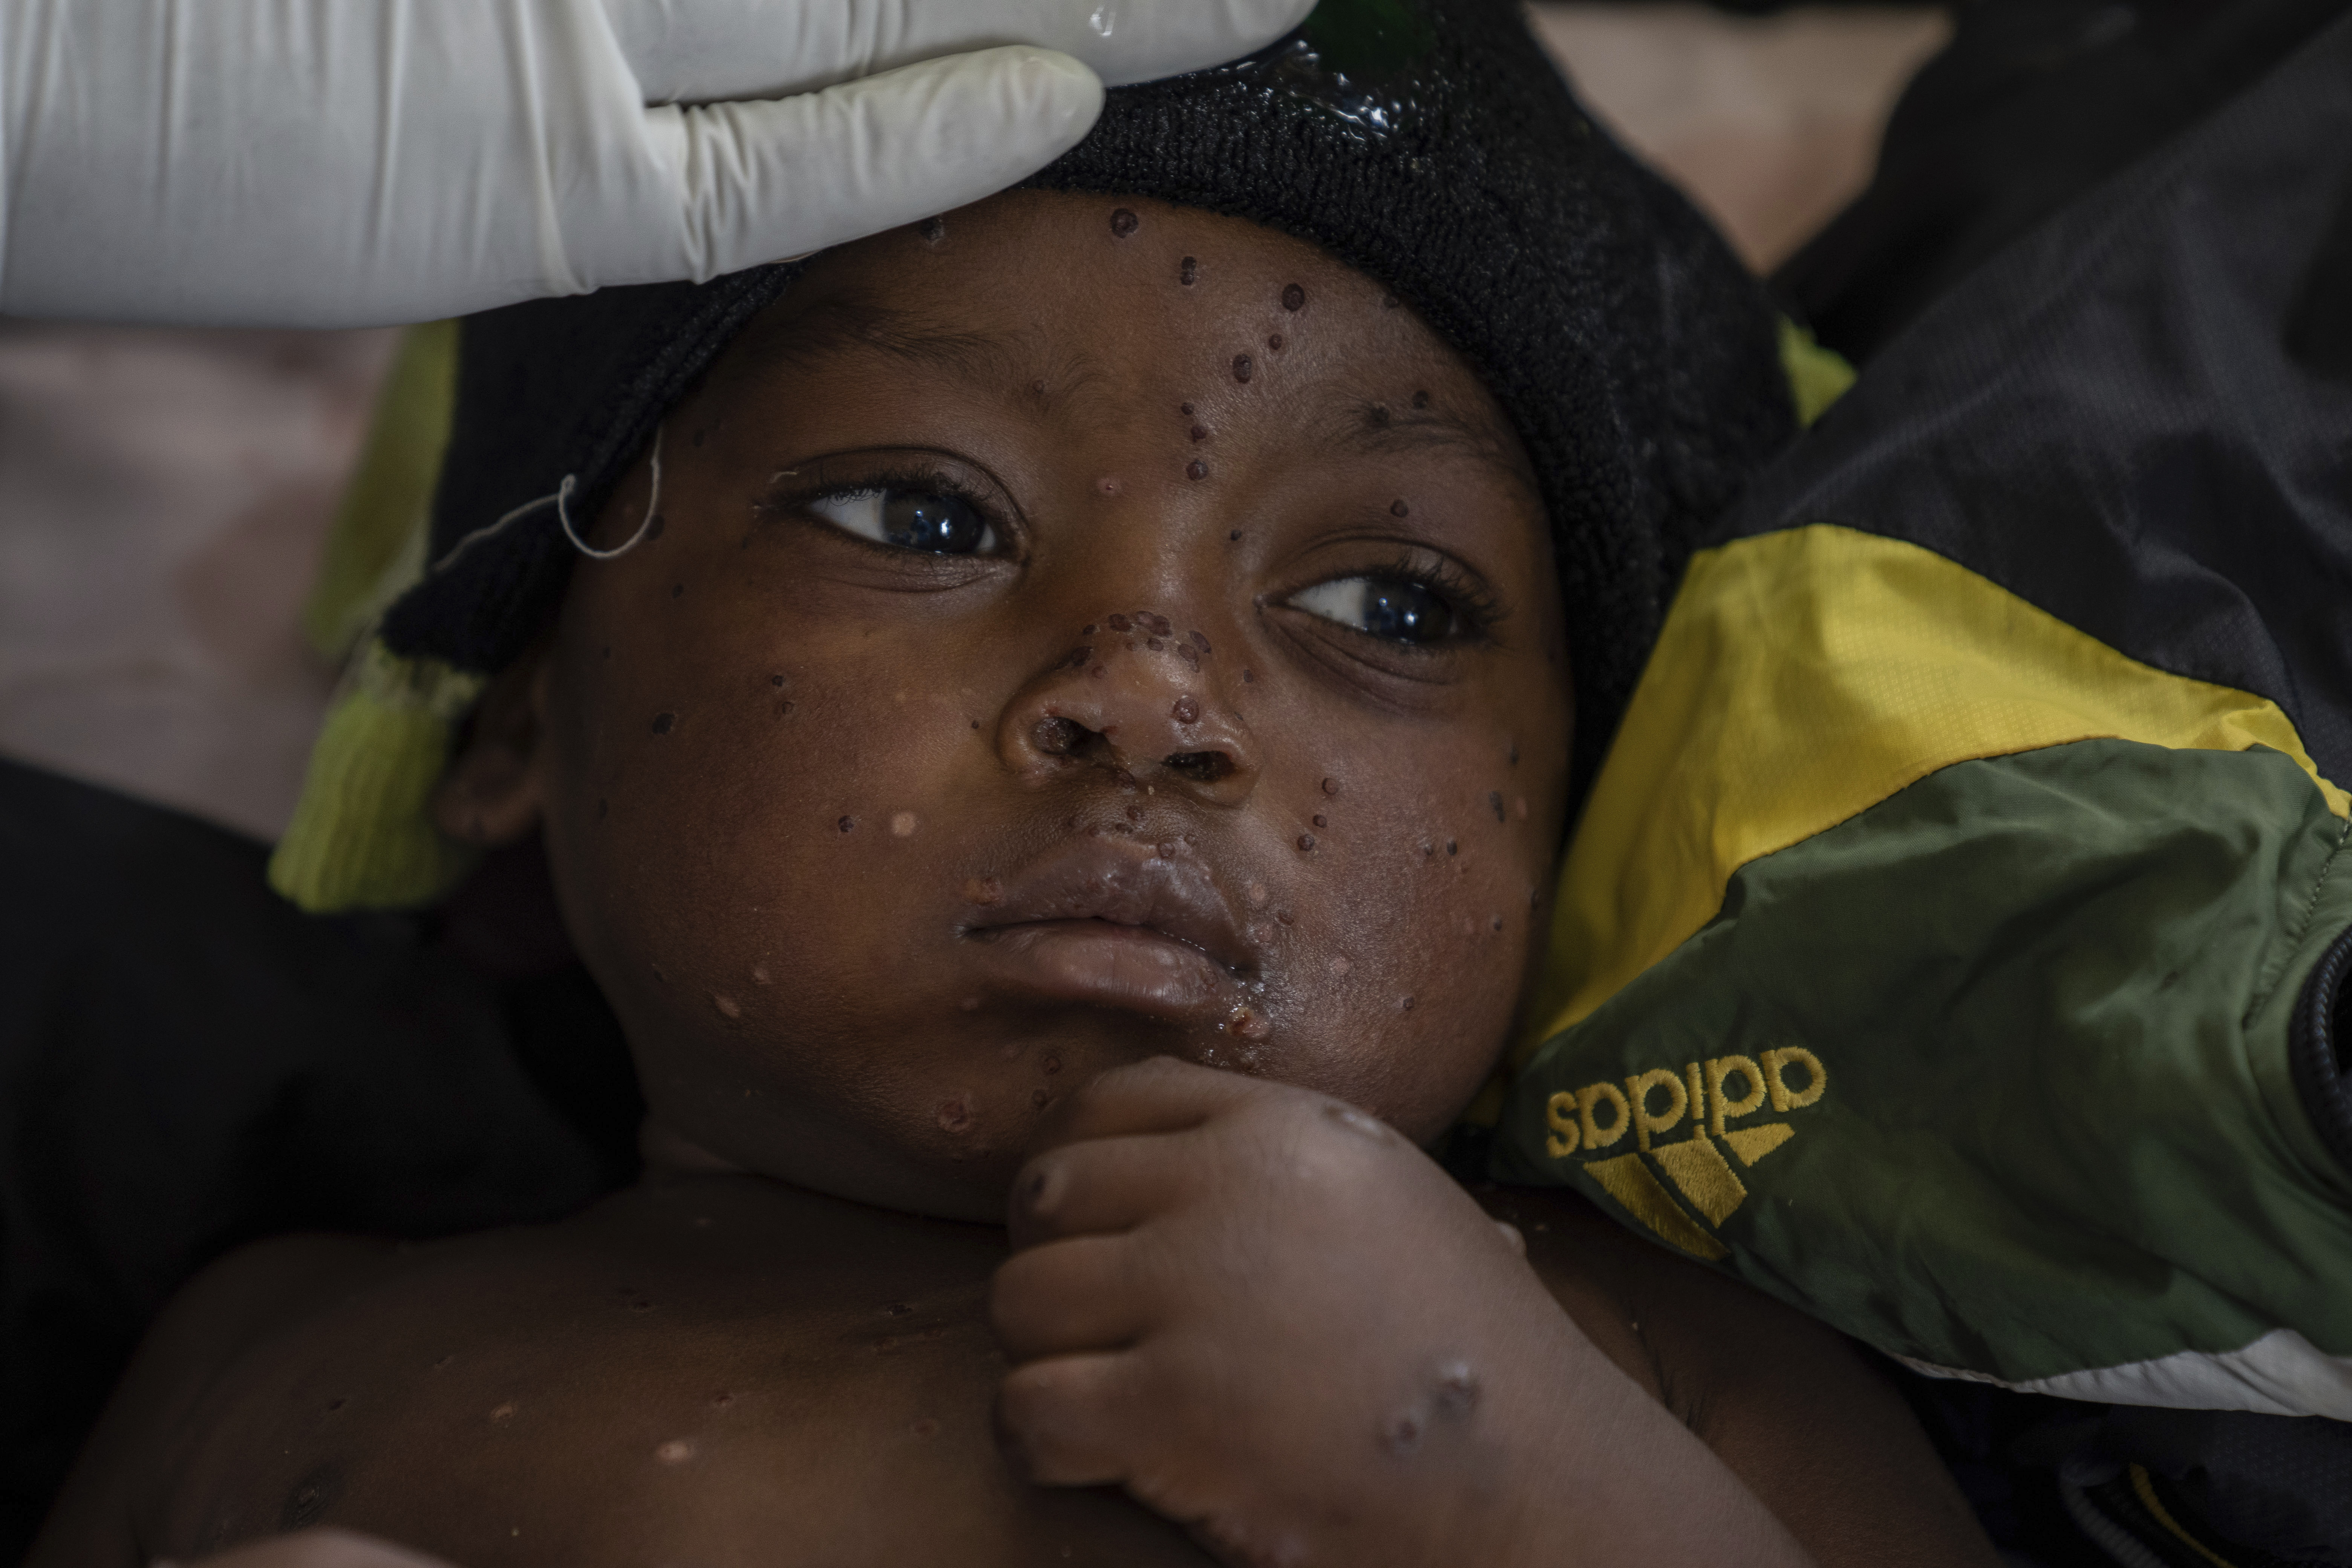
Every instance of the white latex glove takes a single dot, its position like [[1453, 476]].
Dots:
[[341, 163]]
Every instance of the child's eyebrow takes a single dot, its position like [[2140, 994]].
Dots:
[[1377, 429], [850, 322]]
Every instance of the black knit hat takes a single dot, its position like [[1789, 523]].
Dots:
[[1428, 143]]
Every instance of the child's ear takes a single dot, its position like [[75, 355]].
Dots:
[[495, 790]]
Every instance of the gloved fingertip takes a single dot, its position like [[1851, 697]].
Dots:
[[1048, 62], [1052, 74], [1060, 95]]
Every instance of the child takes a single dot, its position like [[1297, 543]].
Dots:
[[1155, 623]]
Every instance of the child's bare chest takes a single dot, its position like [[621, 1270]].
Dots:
[[585, 1401]]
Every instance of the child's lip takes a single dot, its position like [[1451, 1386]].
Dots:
[[1114, 921], [1102, 964]]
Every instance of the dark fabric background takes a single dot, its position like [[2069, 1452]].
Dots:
[[187, 1062], [2033, 103]]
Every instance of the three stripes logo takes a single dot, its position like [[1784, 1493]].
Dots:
[[1709, 1096]]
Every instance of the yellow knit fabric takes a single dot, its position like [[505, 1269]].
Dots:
[[362, 834]]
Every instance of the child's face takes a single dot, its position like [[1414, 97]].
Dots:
[[1086, 630]]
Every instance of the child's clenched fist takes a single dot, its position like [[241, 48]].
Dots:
[[1271, 1318]]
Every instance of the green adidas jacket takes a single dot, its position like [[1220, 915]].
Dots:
[[1955, 942]]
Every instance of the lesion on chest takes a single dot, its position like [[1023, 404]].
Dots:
[[646, 1427]]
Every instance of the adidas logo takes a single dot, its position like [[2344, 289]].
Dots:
[[1710, 1095]]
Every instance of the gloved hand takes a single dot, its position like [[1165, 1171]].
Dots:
[[339, 163]]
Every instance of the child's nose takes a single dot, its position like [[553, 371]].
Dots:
[[1152, 713]]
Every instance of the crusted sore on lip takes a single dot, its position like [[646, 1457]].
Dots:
[[1111, 923]]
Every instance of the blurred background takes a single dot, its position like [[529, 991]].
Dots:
[[164, 494]]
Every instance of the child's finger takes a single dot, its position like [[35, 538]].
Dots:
[[1070, 1421], [1159, 1094], [1069, 1297], [1107, 1185]]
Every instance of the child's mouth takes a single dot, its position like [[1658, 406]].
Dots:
[[1113, 923]]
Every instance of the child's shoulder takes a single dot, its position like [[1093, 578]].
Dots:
[[228, 1310], [693, 1369]]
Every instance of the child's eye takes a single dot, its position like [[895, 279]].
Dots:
[[911, 520], [1390, 608]]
